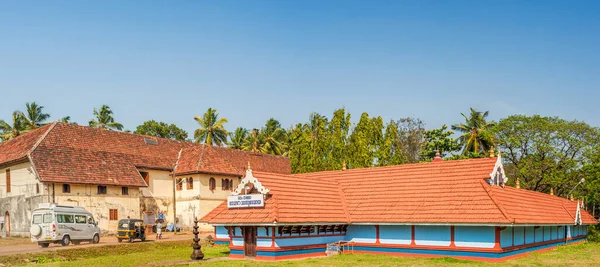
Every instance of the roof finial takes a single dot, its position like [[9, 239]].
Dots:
[[249, 166], [343, 165], [518, 183], [492, 152], [437, 157], [551, 191]]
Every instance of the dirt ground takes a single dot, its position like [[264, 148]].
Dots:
[[18, 245]]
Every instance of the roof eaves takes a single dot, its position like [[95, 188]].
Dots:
[[484, 185]]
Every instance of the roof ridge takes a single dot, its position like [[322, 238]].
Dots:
[[177, 161], [275, 208], [343, 200], [42, 137], [497, 203], [568, 212], [200, 158]]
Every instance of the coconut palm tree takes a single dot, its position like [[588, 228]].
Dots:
[[273, 137], [253, 142], [236, 138], [9, 131], [475, 137], [34, 116], [211, 129], [67, 119], [104, 119]]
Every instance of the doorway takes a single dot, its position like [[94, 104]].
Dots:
[[7, 223], [250, 241]]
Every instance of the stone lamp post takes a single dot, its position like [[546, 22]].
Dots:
[[197, 254]]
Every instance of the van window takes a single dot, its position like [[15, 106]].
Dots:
[[47, 218], [90, 220], [80, 218], [37, 219], [64, 218]]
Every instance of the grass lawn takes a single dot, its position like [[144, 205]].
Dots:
[[178, 252]]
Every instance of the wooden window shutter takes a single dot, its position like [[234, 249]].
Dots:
[[7, 180]]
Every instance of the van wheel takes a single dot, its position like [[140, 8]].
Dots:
[[119, 240], [96, 239], [66, 241], [44, 245]]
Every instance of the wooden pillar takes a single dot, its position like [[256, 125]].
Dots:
[[452, 245], [412, 238], [377, 234], [272, 236]]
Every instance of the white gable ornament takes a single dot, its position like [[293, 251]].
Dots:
[[239, 197], [578, 220], [498, 177]]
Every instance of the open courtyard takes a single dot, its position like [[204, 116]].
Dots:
[[176, 253]]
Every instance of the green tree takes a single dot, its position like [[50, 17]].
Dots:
[[300, 152], [475, 137], [104, 119], [338, 130], [236, 138], [273, 137], [545, 152], [67, 119], [162, 129], [364, 141], [211, 129], [253, 142], [317, 128], [390, 151], [439, 139], [11, 130], [34, 116]]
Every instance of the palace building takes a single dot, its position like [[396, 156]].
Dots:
[[459, 209]]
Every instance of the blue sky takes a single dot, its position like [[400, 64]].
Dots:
[[252, 60]]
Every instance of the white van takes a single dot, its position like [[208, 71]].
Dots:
[[53, 223]]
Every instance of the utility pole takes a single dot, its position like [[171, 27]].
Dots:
[[174, 203]]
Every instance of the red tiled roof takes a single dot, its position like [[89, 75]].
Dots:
[[79, 154], [293, 200], [17, 149], [219, 160], [436, 192]]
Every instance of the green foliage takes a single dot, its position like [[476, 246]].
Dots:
[[211, 129], [546, 152], [390, 150], [236, 138], [161, 129], [253, 141], [338, 129], [34, 116], [411, 134], [439, 139], [475, 137], [273, 138], [364, 141], [15, 128], [104, 119]]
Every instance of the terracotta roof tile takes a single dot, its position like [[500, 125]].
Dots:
[[17, 148], [436, 192]]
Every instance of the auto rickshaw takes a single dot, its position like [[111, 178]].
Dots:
[[130, 229]]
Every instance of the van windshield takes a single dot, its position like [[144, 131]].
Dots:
[[37, 219]]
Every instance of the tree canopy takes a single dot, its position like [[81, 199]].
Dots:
[[211, 131], [475, 137], [103, 119], [161, 129]]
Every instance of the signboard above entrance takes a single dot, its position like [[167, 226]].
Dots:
[[245, 201]]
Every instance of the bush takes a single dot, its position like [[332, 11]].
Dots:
[[594, 233]]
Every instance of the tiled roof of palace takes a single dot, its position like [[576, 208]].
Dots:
[[63, 152], [436, 192]]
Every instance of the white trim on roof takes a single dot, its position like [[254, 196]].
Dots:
[[498, 170], [249, 178]]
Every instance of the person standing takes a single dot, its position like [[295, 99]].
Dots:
[[158, 230]]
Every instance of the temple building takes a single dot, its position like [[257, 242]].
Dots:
[[459, 209]]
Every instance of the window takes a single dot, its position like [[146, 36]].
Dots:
[[47, 218], [101, 190], [113, 214], [225, 184], [231, 184], [212, 184], [7, 180], [80, 219], [90, 220], [66, 188], [179, 185], [146, 177], [190, 183], [124, 191], [64, 218], [37, 219], [37, 188]]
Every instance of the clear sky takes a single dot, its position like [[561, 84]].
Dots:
[[252, 60]]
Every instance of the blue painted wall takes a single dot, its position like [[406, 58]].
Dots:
[[519, 236], [560, 232], [222, 232], [538, 235], [361, 233], [427, 235], [301, 241], [547, 233], [395, 234], [529, 235], [237, 241], [475, 236], [506, 237], [263, 242]]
